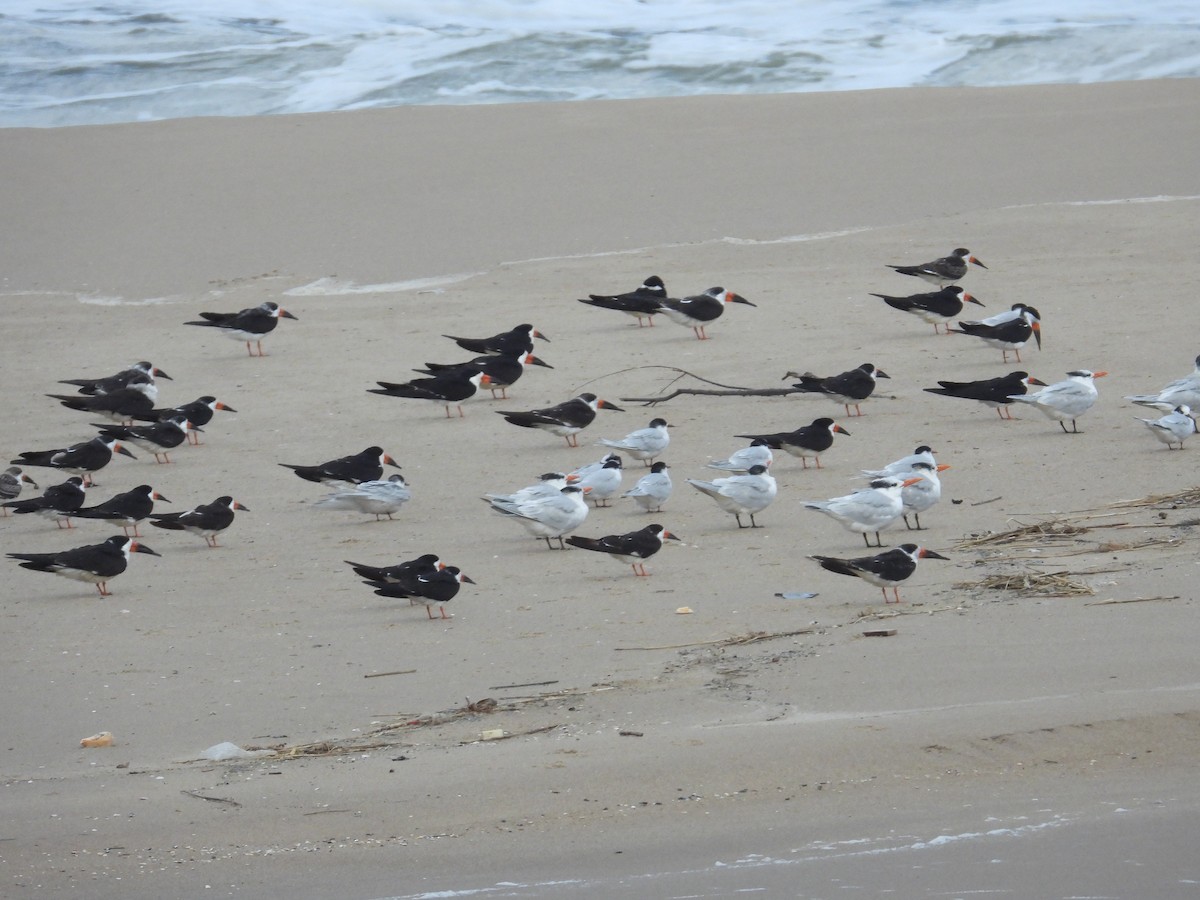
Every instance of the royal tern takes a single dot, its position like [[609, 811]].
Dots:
[[602, 483], [922, 495], [1067, 399]]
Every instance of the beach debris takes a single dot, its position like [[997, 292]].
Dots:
[[881, 632], [492, 734], [631, 733], [102, 739], [1189, 497], [797, 595], [385, 674], [1036, 532], [752, 637], [683, 611], [1110, 602], [229, 750], [200, 796], [1032, 583]]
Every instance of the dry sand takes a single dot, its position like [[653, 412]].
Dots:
[[648, 742]]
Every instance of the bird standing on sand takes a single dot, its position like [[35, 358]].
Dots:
[[806, 441], [12, 480], [507, 343], [159, 438], [139, 371], [741, 494], [1181, 392], [994, 392], [632, 548], [884, 570], [852, 387], [347, 470], [430, 589], [549, 516], [377, 498], [566, 419], [95, 563], [644, 443], [936, 308], [1009, 336], [924, 494], [80, 459], [643, 303], [503, 370], [870, 509], [943, 270], [198, 413], [1068, 399], [602, 483], [206, 520], [127, 509], [1173, 428], [757, 454], [445, 388], [249, 325], [653, 489], [59, 502], [701, 310]]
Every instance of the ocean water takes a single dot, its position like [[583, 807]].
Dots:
[[72, 62]]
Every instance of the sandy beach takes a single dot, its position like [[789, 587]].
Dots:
[[757, 743]]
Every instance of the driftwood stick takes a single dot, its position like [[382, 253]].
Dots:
[[731, 392]]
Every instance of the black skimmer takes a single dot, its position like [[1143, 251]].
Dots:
[[248, 325], [1010, 335], [632, 548], [1013, 312], [852, 387], [502, 370], [566, 419], [884, 570], [643, 303], [198, 414], [377, 498], [347, 470], [645, 443], [12, 480], [741, 494], [806, 441], [701, 310], [1067, 399], [944, 270], [548, 516], [446, 388], [936, 308], [58, 502], [398, 572], [871, 509], [159, 438], [139, 371], [506, 343], [1173, 428], [127, 509], [653, 489], [430, 589], [81, 459], [602, 483], [1181, 392], [757, 454], [96, 563], [206, 520], [993, 392], [122, 405]]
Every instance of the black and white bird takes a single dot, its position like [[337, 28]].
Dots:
[[1067, 399], [1173, 428], [507, 343], [398, 572], [884, 570], [645, 443], [701, 310], [96, 563], [632, 548], [127, 509], [643, 303], [847, 388], [805, 443], [198, 413], [994, 392], [59, 502], [944, 270], [740, 495], [565, 420], [248, 325], [653, 489], [1008, 336], [121, 405], [159, 438], [429, 589], [502, 370], [451, 387], [868, 510], [80, 459], [377, 498], [937, 308], [139, 371], [549, 516], [1181, 392], [12, 480], [207, 520], [347, 470]]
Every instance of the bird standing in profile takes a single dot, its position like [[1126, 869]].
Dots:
[[643, 303], [632, 548], [944, 270], [884, 570], [1068, 399], [507, 343], [851, 387], [59, 502], [937, 308], [95, 563], [12, 480], [1173, 428], [206, 520], [549, 516], [870, 509], [566, 419], [653, 489], [644, 443], [249, 325], [994, 392], [701, 310], [741, 494], [347, 470], [807, 441], [428, 588], [377, 498]]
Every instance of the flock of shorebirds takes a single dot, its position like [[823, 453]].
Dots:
[[557, 505]]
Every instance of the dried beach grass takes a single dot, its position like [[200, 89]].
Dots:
[[1031, 583]]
